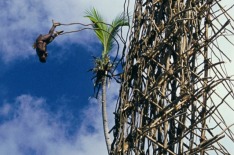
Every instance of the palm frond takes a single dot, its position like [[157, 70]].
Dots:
[[106, 32], [98, 24], [118, 22]]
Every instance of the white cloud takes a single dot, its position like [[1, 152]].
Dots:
[[28, 128], [5, 109], [22, 21]]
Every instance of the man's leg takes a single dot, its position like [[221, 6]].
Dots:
[[46, 37], [53, 27]]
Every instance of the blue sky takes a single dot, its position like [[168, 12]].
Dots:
[[48, 109]]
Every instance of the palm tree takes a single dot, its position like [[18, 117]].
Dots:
[[103, 65]]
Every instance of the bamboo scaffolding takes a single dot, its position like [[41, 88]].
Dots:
[[168, 88]]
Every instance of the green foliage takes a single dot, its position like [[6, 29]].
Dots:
[[105, 32]]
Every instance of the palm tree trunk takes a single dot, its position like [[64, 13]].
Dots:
[[104, 116]]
